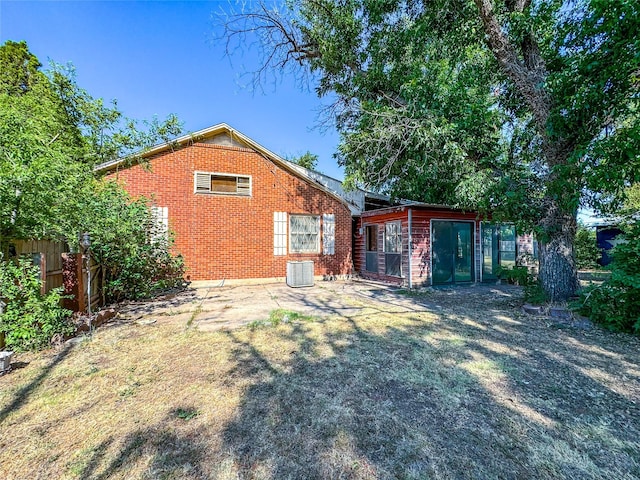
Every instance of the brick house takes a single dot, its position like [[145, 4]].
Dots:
[[417, 244], [239, 211]]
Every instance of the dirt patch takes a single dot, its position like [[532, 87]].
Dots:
[[448, 383]]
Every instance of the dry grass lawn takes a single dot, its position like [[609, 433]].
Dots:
[[465, 387]]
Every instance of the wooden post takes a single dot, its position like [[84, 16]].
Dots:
[[73, 280]]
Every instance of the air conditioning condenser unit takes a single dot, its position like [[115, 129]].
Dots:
[[300, 274]]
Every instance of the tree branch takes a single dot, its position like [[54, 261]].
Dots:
[[528, 76]]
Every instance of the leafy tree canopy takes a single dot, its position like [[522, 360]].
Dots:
[[522, 108], [632, 201], [52, 134], [307, 160]]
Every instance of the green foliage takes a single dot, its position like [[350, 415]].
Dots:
[[52, 133], [585, 248], [307, 160], [520, 275], [20, 68], [632, 201], [276, 317], [522, 109], [30, 320], [126, 242], [616, 302], [517, 275], [186, 414], [534, 293]]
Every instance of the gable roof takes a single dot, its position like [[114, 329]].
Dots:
[[237, 137]]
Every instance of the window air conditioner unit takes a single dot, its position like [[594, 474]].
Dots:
[[300, 274]]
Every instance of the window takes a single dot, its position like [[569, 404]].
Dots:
[[328, 234], [159, 228], [371, 248], [507, 246], [279, 233], [223, 184], [392, 238], [304, 233], [393, 248], [498, 248]]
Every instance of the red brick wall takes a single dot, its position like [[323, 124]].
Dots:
[[228, 237]]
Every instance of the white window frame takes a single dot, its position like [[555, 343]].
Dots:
[[202, 184], [397, 252], [316, 248]]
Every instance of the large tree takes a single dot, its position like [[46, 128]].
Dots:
[[52, 134], [522, 108]]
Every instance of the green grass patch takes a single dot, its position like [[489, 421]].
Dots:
[[279, 316]]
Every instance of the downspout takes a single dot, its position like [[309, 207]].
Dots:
[[410, 236]]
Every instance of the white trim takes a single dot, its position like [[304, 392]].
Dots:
[[160, 223], [328, 233]]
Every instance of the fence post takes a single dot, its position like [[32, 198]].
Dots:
[[73, 280]]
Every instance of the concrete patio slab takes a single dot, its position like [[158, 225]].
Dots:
[[215, 306]]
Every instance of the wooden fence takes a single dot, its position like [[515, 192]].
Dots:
[[59, 268], [48, 256]]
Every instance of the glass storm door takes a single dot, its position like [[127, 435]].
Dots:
[[452, 252], [498, 249], [371, 248], [490, 251]]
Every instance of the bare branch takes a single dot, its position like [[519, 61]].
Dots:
[[274, 34]]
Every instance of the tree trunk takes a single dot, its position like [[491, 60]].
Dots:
[[558, 274]]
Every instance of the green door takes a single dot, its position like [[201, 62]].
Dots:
[[452, 252]]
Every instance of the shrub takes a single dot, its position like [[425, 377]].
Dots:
[[30, 320], [144, 270], [586, 249], [135, 255], [616, 302], [518, 275], [534, 293]]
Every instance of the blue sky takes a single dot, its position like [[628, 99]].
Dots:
[[161, 57]]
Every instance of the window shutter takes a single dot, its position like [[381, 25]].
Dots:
[[203, 182], [244, 186], [328, 234], [279, 233], [159, 230]]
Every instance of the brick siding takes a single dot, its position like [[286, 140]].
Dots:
[[232, 237]]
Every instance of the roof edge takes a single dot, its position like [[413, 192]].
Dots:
[[215, 130]]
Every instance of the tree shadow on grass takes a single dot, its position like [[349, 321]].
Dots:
[[404, 401], [25, 392], [169, 452], [356, 414]]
